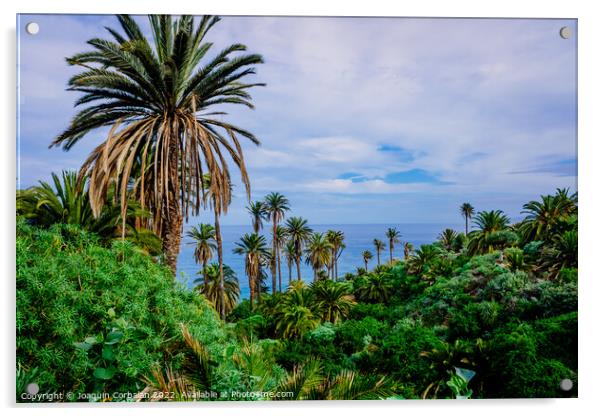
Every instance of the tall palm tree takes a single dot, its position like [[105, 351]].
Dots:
[[408, 248], [393, 235], [467, 212], [258, 215], [254, 248], [161, 100], [337, 240], [378, 246], [281, 236], [276, 206], [210, 287], [318, 252], [204, 242], [219, 207], [367, 256], [298, 232], [289, 253]]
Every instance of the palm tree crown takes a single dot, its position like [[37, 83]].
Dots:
[[258, 215], [158, 98], [318, 252]]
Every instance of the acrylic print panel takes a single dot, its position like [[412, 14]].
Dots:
[[295, 208]]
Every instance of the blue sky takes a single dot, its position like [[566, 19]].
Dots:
[[363, 120]]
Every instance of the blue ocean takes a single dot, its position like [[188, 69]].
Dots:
[[358, 238]]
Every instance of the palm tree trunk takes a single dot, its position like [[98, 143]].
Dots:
[[336, 268], [466, 218], [378, 256], [298, 261], [173, 226], [251, 290], [274, 248], [204, 276], [366, 264], [220, 260], [279, 271], [390, 252], [290, 273]]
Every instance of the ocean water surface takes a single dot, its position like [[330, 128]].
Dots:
[[358, 237]]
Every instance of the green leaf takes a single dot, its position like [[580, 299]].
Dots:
[[82, 345], [114, 337], [91, 340], [108, 353], [104, 373], [111, 313]]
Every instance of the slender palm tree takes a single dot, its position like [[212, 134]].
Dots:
[[210, 287], [276, 206], [408, 248], [393, 235], [289, 253], [298, 232], [318, 252], [258, 215], [337, 240], [367, 256], [467, 212], [254, 248], [161, 100], [204, 242], [378, 246], [219, 207], [281, 236]]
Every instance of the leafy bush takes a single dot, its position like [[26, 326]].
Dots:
[[92, 319]]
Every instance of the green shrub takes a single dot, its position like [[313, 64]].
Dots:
[[93, 319]]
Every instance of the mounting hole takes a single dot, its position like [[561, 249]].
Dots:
[[566, 384], [565, 32], [32, 28]]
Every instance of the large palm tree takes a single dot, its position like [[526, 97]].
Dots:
[[333, 300], [205, 245], [161, 100], [393, 235], [254, 248], [378, 246], [258, 215], [318, 252], [467, 212], [298, 232], [337, 240], [367, 256], [276, 206], [487, 223], [543, 216], [210, 287]]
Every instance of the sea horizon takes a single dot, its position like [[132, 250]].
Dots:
[[358, 238]]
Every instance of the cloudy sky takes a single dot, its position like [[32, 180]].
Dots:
[[363, 120]]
